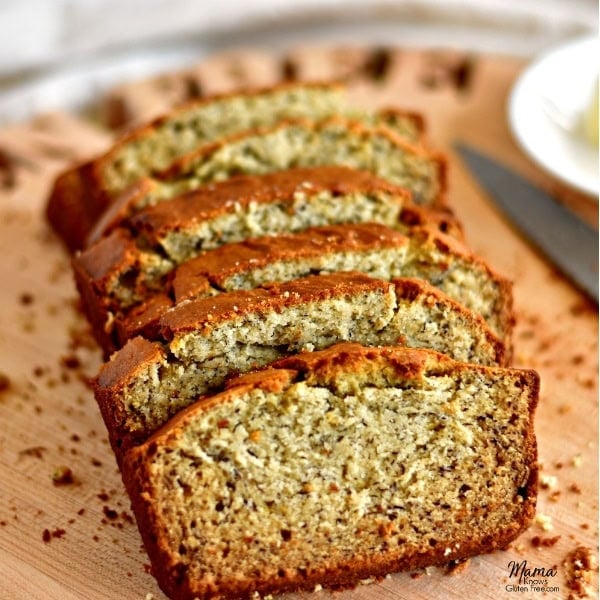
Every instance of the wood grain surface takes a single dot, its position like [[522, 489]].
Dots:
[[74, 538]]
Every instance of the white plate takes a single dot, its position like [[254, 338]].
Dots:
[[563, 79]]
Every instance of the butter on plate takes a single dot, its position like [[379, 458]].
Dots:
[[589, 118]]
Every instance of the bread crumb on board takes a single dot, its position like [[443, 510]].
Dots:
[[456, 567], [5, 382], [548, 482], [62, 475], [580, 566], [57, 533], [544, 522], [540, 542]]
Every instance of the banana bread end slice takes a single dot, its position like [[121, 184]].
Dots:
[[333, 467]]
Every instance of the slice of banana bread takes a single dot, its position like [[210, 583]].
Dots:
[[246, 206], [333, 467], [188, 209], [83, 192], [125, 294], [202, 342], [303, 143]]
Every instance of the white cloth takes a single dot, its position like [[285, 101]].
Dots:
[[39, 33]]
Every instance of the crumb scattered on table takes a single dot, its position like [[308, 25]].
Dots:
[[580, 565]]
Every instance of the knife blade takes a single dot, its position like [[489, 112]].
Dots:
[[570, 243]]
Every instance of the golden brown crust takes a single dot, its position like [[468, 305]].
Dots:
[[212, 270], [211, 200], [130, 360], [320, 366], [214, 199], [80, 199], [116, 255], [112, 255], [93, 271], [74, 203], [80, 195], [139, 352], [133, 357], [118, 211], [349, 357], [220, 265], [143, 320], [209, 312], [206, 312], [241, 191], [206, 274], [118, 252], [168, 213]]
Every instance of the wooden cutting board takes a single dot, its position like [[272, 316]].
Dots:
[[75, 538]]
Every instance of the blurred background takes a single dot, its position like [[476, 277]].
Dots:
[[74, 42]]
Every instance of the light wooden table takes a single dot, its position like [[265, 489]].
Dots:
[[77, 540]]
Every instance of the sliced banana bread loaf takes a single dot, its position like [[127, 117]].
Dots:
[[116, 272], [333, 467], [202, 342], [83, 192], [127, 296]]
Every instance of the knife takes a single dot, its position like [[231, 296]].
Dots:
[[570, 243]]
